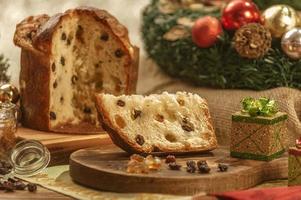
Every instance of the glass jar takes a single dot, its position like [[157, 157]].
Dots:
[[8, 128], [23, 158]]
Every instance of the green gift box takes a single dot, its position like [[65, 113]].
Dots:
[[294, 166], [258, 137]]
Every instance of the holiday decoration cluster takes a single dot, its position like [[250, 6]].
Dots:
[[261, 49]]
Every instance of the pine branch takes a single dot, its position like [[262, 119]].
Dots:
[[4, 65]]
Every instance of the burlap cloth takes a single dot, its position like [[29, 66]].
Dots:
[[223, 102]]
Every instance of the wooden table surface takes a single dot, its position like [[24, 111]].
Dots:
[[41, 193]]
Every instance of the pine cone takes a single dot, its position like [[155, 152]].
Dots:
[[252, 41]]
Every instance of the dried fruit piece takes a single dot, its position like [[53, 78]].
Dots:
[[153, 163], [203, 167], [63, 37], [186, 125], [136, 167], [174, 166], [137, 158], [68, 41], [79, 33], [8, 186], [55, 84], [62, 60], [191, 166], [74, 79], [120, 121], [19, 185], [119, 53], [170, 159], [181, 102], [31, 187], [222, 167], [52, 115], [120, 103], [136, 113], [170, 137], [139, 139], [87, 110], [159, 118], [53, 67], [104, 36]]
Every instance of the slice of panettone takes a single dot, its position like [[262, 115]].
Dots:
[[170, 123]]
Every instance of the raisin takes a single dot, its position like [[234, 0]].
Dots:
[[139, 139], [8, 186], [191, 163], [181, 102], [187, 128], [19, 185], [87, 110], [31, 187], [55, 84], [136, 114], [52, 115], [62, 60], [119, 53], [62, 99], [222, 167], [96, 65], [204, 169], [104, 37], [68, 41], [74, 79], [159, 118], [174, 166], [63, 37], [201, 162], [98, 85], [170, 159], [79, 33], [186, 125], [53, 67], [120, 103], [203, 166]]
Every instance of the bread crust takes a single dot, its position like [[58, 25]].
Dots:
[[119, 138], [34, 36]]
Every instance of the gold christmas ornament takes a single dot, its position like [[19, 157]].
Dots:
[[9, 93], [279, 19], [291, 43], [252, 41]]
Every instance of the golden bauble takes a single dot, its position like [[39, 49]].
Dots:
[[291, 43], [9, 93], [279, 19]]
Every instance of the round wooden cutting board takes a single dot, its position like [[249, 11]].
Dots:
[[106, 170]]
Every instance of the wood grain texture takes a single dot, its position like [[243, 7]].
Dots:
[[106, 170], [41, 193], [62, 145]]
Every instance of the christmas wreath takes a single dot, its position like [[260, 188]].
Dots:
[[239, 44]]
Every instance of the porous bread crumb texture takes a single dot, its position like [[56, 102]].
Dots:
[[258, 139], [160, 122], [86, 58]]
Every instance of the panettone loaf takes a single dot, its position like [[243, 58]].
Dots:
[[168, 123], [65, 59]]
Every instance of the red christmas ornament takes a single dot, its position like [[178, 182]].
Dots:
[[205, 31], [238, 13]]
